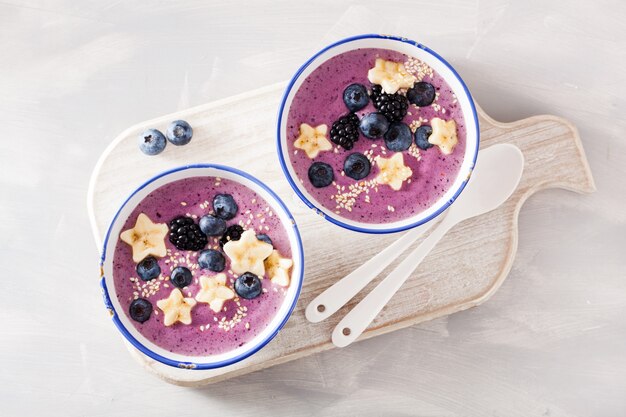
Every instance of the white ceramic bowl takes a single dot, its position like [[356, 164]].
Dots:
[[122, 321], [409, 48]]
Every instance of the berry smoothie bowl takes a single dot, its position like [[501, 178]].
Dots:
[[377, 134], [201, 267]]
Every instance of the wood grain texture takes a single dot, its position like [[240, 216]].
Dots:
[[464, 270]]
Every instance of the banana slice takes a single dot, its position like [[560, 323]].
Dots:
[[176, 308], [146, 238], [312, 140], [278, 268], [444, 135], [393, 172], [213, 290], [248, 253], [391, 76]]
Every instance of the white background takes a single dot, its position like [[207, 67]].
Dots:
[[74, 74]]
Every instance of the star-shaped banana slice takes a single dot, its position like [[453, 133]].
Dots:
[[213, 290], [391, 76], [312, 140], [277, 269], [146, 238], [444, 135], [176, 308], [393, 172], [248, 253]]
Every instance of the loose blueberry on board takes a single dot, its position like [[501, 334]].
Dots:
[[140, 310], [151, 142], [212, 226], [185, 234], [264, 238], [181, 277], [421, 137], [225, 206], [212, 260], [248, 286], [232, 233], [321, 174], [345, 131], [374, 125], [399, 137], [148, 269], [393, 106], [179, 132], [421, 94], [355, 97], [356, 166]]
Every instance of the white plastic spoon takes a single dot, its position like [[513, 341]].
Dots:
[[336, 296], [494, 179]]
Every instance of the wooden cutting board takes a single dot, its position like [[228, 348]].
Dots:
[[463, 271]]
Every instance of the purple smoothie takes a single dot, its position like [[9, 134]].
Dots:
[[205, 335], [319, 100]]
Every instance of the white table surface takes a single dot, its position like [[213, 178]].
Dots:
[[74, 74]]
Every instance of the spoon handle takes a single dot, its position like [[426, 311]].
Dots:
[[336, 296], [357, 320]]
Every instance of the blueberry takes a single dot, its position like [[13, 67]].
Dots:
[[151, 142], [421, 137], [148, 268], [374, 125], [399, 137], [356, 166], [179, 132], [421, 94], [321, 174], [248, 286], [212, 226], [181, 277], [264, 238], [355, 96], [212, 260], [140, 310], [225, 206]]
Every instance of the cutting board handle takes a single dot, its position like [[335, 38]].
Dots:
[[561, 164]]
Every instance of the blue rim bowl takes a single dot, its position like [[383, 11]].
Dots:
[[410, 48], [123, 323]]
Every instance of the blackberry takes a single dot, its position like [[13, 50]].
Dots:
[[377, 90], [185, 234], [232, 233], [393, 106], [345, 131]]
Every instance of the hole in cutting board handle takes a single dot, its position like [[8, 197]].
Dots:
[[346, 331], [321, 308]]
